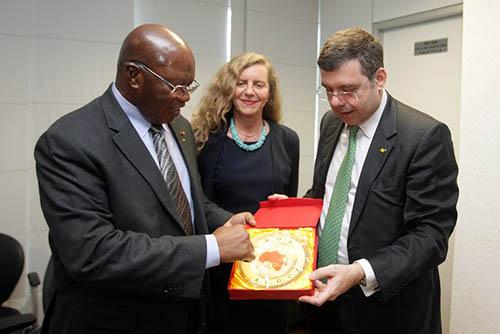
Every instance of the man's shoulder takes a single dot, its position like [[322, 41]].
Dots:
[[413, 124], [82, 123], [83, 116], [410, 116], [329, 120]]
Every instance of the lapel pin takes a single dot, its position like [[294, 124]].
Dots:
[[382, 150], [182, 133]]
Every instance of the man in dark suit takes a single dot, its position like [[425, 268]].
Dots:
[[130, 254], [392, 172]]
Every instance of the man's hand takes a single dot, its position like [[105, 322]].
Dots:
[[234, 243], [276, 197], [241, 219], [340, 279], [233, 240]]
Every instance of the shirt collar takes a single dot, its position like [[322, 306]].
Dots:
[[138, 121], [370, 125]]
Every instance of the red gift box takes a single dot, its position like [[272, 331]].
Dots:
[[285, 242]]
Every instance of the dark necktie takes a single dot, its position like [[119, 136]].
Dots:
[[169, 172], [328, 247]]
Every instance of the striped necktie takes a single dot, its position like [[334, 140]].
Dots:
[[169, 172], [330, 235]]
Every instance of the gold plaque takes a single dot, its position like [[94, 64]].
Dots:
[[283, 259]]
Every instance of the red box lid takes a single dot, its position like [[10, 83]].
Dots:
[[289, 213]]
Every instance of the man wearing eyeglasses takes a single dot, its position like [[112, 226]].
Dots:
[[387, 174], [131, 231]]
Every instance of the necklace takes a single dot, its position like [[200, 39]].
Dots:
[[248, 137], [241, 144]]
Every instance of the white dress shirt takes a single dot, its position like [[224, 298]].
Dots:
[[363, 140], [142, 126]]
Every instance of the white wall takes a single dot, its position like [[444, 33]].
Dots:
[[341, 14], [56, 56], [476, 303], [59, 54]]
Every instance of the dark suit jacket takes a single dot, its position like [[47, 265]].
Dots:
[[122, 260], [285, 159], [404, 212]]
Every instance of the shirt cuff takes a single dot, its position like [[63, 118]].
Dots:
[[213, 255], [371, 285]]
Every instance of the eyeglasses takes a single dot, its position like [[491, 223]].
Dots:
[[350, 97], [175, 90]]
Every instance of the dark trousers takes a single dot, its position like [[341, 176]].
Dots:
[[243, 316], [353, 313]]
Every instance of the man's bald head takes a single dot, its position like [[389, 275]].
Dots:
[[152, 44]]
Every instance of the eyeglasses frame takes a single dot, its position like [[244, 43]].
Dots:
[[340, 94], [174, 89]]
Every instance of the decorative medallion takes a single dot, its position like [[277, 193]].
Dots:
[[280, 257]]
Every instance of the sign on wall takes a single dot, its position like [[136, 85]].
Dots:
[[432, 46]]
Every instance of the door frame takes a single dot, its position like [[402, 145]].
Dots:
[[425, 16]]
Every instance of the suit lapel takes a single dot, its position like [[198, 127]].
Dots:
[[380, 149], [332, 134], [133, 148], [184, 142], [130, 144]]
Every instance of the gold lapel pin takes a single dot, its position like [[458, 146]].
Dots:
[[382, 150]]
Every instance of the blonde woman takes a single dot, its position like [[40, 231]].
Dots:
[[245, 155]]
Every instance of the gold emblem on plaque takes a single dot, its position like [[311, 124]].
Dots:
[[280, 257]]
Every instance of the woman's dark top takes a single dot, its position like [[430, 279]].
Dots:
[[237, 170], [237, 181]]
